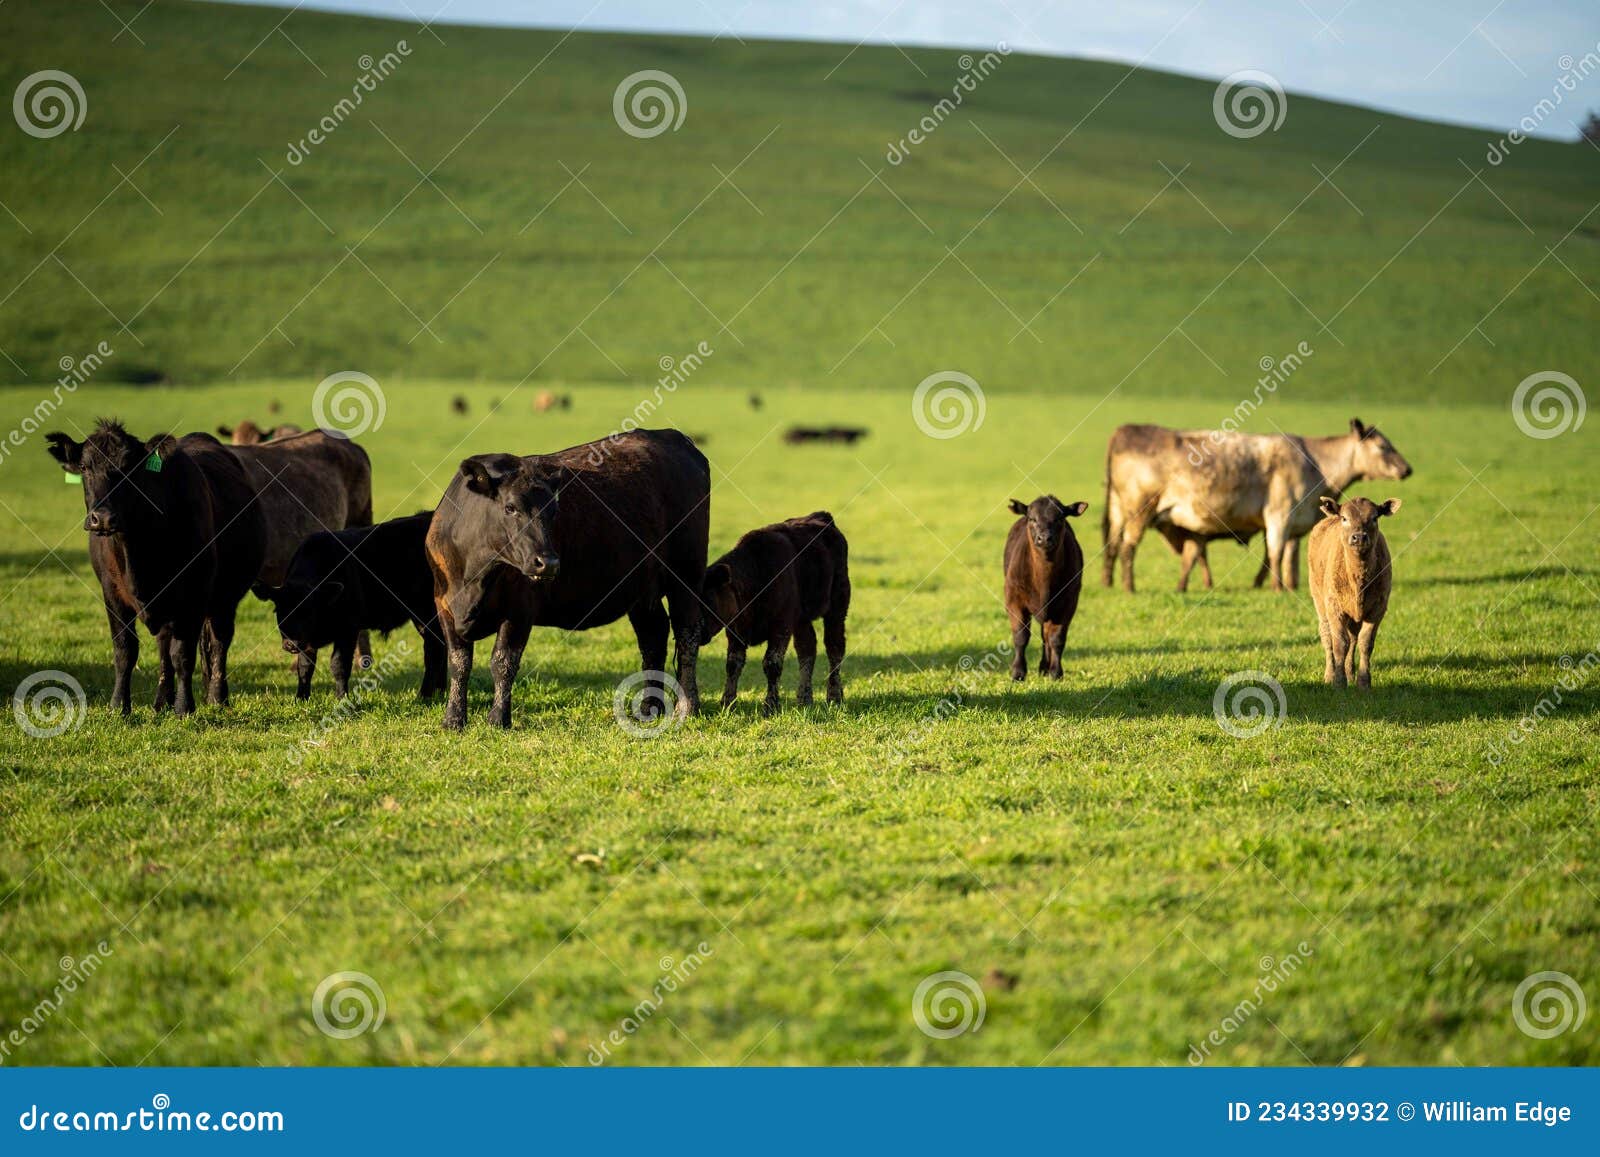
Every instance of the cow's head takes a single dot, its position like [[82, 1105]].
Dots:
[[719, 600], [125, 481], [1358, 520], [1047, 519], [1375, 456], [523, 502], [246, 433]]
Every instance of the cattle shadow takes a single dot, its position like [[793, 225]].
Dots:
[[1503, 578]]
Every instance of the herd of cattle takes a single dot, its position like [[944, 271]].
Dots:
[[180, 529]]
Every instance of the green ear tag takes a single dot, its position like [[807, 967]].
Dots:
[[153, 463], [73, 479]]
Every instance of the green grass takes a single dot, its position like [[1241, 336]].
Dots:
[[1101, 839]]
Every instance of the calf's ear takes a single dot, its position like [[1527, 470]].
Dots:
[[1330, 506], [1074, 509], [225, 431], [479, 480], [1017, 507], [1358, 428], [717, 577], [65, 451], [161, 447], [1390, 507]]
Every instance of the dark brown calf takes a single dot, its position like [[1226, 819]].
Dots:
[[1044, 577], [770, 588]]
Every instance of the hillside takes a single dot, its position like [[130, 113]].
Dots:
[[481, 215]]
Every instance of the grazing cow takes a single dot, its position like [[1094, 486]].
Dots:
[[247, 433], [770, 588], [1350, 582], [574, 539], [307, 483], [341, 582], [848, 435], [1212, 484], [1044, 577], [175, 537]]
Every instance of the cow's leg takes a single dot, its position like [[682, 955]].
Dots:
[[339, 661], [1339, 637], [1191, 554], [1205, 564], [1362, 636], [736, 657], [1110, 539], [1266, 567], [1131, 534], [433, 659], [305, 664], [363, 650], [124, 654], [772, 667], [164, 678], [1291, 563], [1054, 640], [504, 663], [683, 604], [1276, 540], [459, 652], [833, 640], [183, 644], [1325, 634], [805, 649], [1019, 643], [650, 625], [217, 639]]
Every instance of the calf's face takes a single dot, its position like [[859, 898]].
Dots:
[[1047, 520], [1358, 520], [311, 612], [719, 601], [124, 480], [520, 517], [1375, 455]]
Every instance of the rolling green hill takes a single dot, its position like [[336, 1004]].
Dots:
[[1072, 226]]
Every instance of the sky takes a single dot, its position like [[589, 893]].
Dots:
[[1477, 62]]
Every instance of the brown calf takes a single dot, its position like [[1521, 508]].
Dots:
[[1044, 577], [770, 588], [1350, 583]]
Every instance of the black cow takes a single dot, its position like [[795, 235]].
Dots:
[[574, 539], [176, 539], [342, 582]]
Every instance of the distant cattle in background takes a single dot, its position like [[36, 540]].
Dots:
[[1213, 483], [574, 539], [1044, 578], [175, 538], [848, 435], [458, 404], [770, 588], [547, 401], [247, 433]]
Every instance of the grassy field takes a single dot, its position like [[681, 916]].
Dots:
[[1117, 870]]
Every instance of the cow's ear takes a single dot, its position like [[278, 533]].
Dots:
[[161, 447], [717, 577], [1017, 507], [479, 480], [225, 431], [1075, 509], [1358, 427], [334, 588], [1390, 507], [65, 451], [1330, 506], [564, 477]]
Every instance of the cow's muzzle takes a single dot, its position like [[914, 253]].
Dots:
[[542, 567], [100, 521]]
